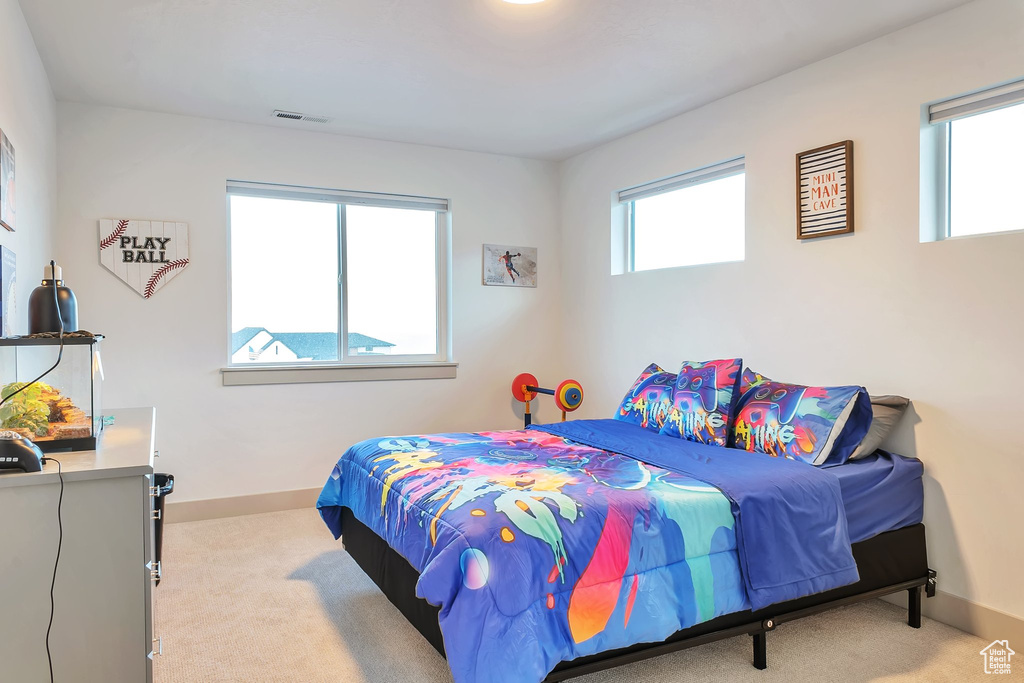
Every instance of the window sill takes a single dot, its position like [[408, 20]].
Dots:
[[307, 374], [682, 266], [967, 236]]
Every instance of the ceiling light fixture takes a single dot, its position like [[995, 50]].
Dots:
[[523, 2]]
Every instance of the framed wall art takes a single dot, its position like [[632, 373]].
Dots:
[[510, 266], [145, 255], [824, 191], [6, 182], [8, 292]]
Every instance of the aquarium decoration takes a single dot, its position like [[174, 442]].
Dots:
[[40, 411]]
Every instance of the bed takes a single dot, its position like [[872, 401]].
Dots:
[[565, 549]]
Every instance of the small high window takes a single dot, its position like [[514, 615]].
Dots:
[[689, 219], [971, 151]]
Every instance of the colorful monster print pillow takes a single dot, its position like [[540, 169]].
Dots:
[[649, 400], [818, 425], [703, 401]]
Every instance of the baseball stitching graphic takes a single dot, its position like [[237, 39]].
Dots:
[[111, 239], [155, 279]]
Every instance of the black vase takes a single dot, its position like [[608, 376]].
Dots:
[[42, 308]]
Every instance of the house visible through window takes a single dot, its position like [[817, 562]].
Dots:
[[689, 219], [322, 276], [977, 141]]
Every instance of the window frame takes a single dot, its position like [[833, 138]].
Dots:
[[348, 367], [937, 119], [626, 202]]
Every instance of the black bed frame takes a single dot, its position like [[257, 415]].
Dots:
[[888, 563]]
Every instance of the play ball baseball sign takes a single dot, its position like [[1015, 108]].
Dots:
[[146, 255]]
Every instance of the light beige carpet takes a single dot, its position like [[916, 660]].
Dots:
[[273, 597]]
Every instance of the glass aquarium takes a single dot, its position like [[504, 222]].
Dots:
[[63, 410]]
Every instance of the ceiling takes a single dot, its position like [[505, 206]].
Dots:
[[546, 80]]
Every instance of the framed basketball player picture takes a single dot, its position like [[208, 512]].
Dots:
[[509, 266]]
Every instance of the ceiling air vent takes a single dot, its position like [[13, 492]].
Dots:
[[296, 116]]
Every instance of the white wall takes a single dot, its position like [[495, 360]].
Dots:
[[28, 117], [940, 323], [167, 351]]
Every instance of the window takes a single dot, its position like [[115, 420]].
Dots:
[[689, 219], [323, 277], [974, 144]]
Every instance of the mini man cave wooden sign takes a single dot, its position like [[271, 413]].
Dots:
[[146, 255], [824, 191]]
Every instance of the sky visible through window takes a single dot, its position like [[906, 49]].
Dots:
[[284, 271], [986, 175], [392, 277], [693, 225]]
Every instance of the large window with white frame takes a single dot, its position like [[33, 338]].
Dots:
[[325, 277], [689, 219], [971, 149]]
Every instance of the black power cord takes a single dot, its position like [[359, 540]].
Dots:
[[56, 563], [60, 473], [60, 350]]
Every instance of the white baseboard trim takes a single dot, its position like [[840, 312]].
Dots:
[[217, 508], [985, 622]]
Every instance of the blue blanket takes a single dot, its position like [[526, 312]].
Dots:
[[791, 528], [540, 548]]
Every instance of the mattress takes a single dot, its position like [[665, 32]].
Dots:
[[881, 492]]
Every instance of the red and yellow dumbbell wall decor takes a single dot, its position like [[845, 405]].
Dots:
[[568, 395]]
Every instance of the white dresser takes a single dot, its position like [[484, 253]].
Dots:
[[103, 622]]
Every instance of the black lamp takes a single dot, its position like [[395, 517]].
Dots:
[[17, 452]]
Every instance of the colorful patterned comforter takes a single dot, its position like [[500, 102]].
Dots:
[[539, 548]]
